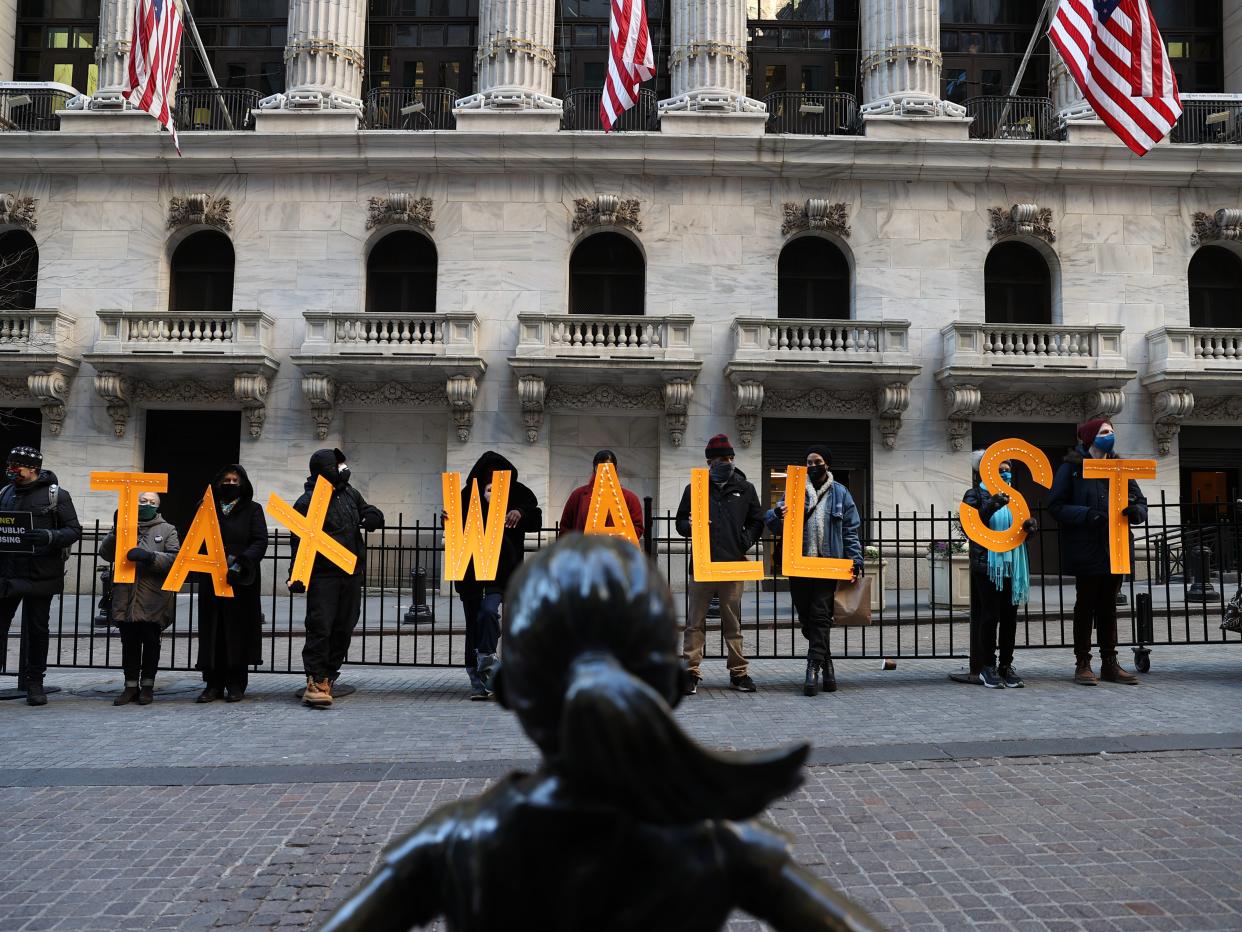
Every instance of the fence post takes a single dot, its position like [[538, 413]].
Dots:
[[1201, 572], [648, 532]]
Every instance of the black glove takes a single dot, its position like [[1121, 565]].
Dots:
[[40, 538], [1030, 525], [296, 588], [372, 522], [234, 574], [139, 555], [999, 500], [1096, 517], [1131, 513]]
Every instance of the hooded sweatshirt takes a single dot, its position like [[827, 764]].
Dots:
[[347, 511], [513, 543]]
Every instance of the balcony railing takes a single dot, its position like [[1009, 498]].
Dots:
[[812, 114], [1195, 349], [587, 336], [1032, 346], [356, 333], [410, 108], [1209, 119], [582, 112], [1004, 117], [210, 109], [223, 333], [32, 332], [763, 338], [33, 108]]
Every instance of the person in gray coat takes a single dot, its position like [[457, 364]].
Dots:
[[142, 609]]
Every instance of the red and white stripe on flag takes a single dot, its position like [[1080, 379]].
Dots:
[[1116, 55], [154, 48], [630, 62]]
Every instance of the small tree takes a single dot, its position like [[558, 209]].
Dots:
[[18, 279]]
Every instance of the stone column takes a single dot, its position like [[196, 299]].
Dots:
[[1233, 48], [708, 66], [323, 69], [8, 32], [516, 62], [1074, 115], [901, 67], [107, 111]]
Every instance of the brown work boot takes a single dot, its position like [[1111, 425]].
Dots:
[[1113, 672], [1083, 675], [318, 692]]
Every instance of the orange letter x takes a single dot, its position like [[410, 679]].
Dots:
[[315, 540]]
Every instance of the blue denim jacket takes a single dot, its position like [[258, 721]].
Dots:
[[841, 539]]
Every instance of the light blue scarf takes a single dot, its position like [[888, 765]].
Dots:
[[1011, 565]]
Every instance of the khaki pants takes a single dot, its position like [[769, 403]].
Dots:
[[730, 594]]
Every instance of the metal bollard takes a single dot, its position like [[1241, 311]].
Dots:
[[103, 615], [1201, 587], [420, 612]]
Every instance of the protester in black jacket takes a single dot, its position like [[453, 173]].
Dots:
[[1080, 506], [30, 579], [735, 523], [334, 597], [230, 630], [481, 601]]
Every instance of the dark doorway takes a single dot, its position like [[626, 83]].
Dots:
[[1215, 279], [1055, 440], [21, 427], [1017, 286], [813, 280], [401, 274], [607, 275], [202, 274], [190, 446], [1211, 484]]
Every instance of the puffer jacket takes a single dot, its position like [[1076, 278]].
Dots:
[[143, 599], [43, 571], [1084, 540]]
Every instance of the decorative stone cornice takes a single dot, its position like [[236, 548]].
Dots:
[[816, 214], [400, 208], [1168, 409], [606, 210], [1225, 224], [1021, 220], [119, 392], [200, 210], [603, 397], [532, 392], [326, 393], [18, 210], [964, 403]]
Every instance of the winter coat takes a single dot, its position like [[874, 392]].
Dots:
[[237, 621], [513, 542], [144, 599], [735, 518], [44, 570], [987, 506], [346, 512], [578, 506], [1073, 502], [840, 538]]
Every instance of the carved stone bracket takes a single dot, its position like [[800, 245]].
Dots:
[[115, 390], [199, 210], [677, 394], [962, 403], [250, 388], [461, 391], [1105, 402], [1022, 220], [400, 208], [816, 214], [748, 402], [1225, 224], [51, 389], [1169, 408], [19, 211], [891, 403], [606, 210], [320, 392], [532, 393]]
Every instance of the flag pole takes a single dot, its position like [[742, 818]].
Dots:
[[202, 54], [1030, 48]]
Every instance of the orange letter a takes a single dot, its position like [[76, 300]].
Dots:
[[608, 501]]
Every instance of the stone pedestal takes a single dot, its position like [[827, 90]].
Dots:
[[323, 69], [107, 122], [116, 26], [901, 72], [305, 121], [508, 121], [706, 123], [515, 70], [891, 126], [708, 66]]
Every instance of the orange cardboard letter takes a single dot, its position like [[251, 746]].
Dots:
[[608, 502], [1118, 473], [128, 486], [314, 539], [474, 541], [204, 532], [705, 569], [989, 470], [794, 562]]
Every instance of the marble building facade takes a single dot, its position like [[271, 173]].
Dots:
[[710, 201]]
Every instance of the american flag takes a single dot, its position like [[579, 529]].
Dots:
[[154, 48], [1115, 53], [629, 62]]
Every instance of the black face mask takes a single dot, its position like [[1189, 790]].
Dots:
[[342, 475], [228, 493], [817, 474]]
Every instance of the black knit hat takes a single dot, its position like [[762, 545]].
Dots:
[[822, 451], [26, 456], [719, 446], [604, 456]]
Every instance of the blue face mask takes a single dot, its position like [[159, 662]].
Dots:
[[1006, 475], [1105, 444]]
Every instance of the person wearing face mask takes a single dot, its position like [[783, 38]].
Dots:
[[31, 578], [999, 583], [481, 601], [1080, 506], [334, 597], [735, 522], [830, 530], [142, 609], [230, 630]]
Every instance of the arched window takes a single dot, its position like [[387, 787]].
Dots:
[[1017, 286], [1215, 288], [401, 274], [607, 275], [19, 270], [813, 280], [202, 273]]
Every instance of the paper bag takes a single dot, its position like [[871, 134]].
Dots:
[[851, 606]]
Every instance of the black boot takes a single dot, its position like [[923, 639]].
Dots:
[[830, 677], [811, 686], [210, 693], [128, 695], [34, 692]]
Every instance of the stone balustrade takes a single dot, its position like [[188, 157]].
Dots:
[[218, 333], [1032, 345], [33, 332], [589, 336], [1189, 348], [363, 333], [1192, 371], [849, 340]]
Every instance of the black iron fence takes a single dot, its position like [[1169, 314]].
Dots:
[[1210, 119], [410, 108], [215, 109], [812, 114], [1185, 570], [582, 112], [32, 109], [1004, 117]]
